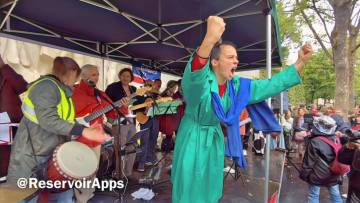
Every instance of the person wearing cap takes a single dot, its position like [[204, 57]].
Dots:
[[317, 160]]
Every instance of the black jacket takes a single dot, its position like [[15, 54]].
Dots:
[[317, 160], [346, 156], [116, 91]]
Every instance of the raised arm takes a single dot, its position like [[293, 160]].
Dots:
[[197, 69], [215, 29], [304, 56], [264, 89]]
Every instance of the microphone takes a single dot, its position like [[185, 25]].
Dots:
[[91, 83]]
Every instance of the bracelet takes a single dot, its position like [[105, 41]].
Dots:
[[202, 57]]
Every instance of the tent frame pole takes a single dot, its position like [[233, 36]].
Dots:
[[268, 67], [8, 14]]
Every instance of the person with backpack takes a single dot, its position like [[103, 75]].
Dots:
[[320, 167], [350, 155]]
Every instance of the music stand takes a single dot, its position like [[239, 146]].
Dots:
[[135, 141], [162, 108], [153, 178], [237, 174]]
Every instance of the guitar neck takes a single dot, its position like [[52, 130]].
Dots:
[[146, 103], [140, 106], [106, 109]]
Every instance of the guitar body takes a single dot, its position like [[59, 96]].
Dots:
[[82, 121], [141, 117], [96, 113]]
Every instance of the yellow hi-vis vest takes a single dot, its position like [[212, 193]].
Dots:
[[65, 108]]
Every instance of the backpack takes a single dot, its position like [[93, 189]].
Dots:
[[336, 167]]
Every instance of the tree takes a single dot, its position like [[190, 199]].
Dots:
[[318, 81], [357, 78], [318, 78], [357, 85], [289, 31], [345, 16], [290, 36]]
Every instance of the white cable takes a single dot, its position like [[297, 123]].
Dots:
[[126, 180]]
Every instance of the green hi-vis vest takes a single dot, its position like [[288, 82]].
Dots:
[[65, 108]]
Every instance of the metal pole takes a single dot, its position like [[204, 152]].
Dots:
[[268, 67], [103, 74], [281, 101], [8, 14], [281, 175]]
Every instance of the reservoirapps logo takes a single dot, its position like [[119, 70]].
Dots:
[[61, 184]]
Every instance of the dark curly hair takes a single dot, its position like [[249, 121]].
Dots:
[[126, 70]]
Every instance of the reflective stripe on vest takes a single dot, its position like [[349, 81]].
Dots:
[[65, 108]]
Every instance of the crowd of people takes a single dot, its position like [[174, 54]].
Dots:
[[326, 145]]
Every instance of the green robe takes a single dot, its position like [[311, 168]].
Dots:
[[198, 162]]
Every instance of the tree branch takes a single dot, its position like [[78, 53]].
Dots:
[[322, 19], [308, 22], [356, 15], [331, 2], [357, 46], [324, 11], [356, 32]]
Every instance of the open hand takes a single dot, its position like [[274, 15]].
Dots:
[[96, 133]]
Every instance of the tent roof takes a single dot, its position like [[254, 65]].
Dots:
[[159, 34]]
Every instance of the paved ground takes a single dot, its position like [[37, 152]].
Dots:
[[249, 188]]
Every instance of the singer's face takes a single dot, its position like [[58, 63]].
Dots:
[[92, 74]]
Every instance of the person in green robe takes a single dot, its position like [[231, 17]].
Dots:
[[198, 161]]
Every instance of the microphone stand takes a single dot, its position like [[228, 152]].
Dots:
[[116, 133], [117, 141]]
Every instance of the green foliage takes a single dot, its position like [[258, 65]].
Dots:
[[318, 81], [297, 95], [357, 84], [357, 75], [319, 78], [290, 35], [319, 74], [289, 31]]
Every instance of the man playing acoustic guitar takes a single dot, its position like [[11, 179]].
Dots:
[[88, 99]]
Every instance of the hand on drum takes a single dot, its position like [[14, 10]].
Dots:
[[96, 133]]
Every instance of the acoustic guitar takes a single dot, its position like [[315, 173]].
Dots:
[[141, 117], [85, 120]]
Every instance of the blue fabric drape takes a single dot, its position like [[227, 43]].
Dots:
[[262, 117], [233, 146]]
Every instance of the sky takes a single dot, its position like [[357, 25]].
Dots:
[[306, 33]]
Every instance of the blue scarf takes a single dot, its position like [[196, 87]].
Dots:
[[261, 115]]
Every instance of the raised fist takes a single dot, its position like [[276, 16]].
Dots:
[[305, 52], [215, 29]]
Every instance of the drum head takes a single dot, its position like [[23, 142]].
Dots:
[[76, 160]]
